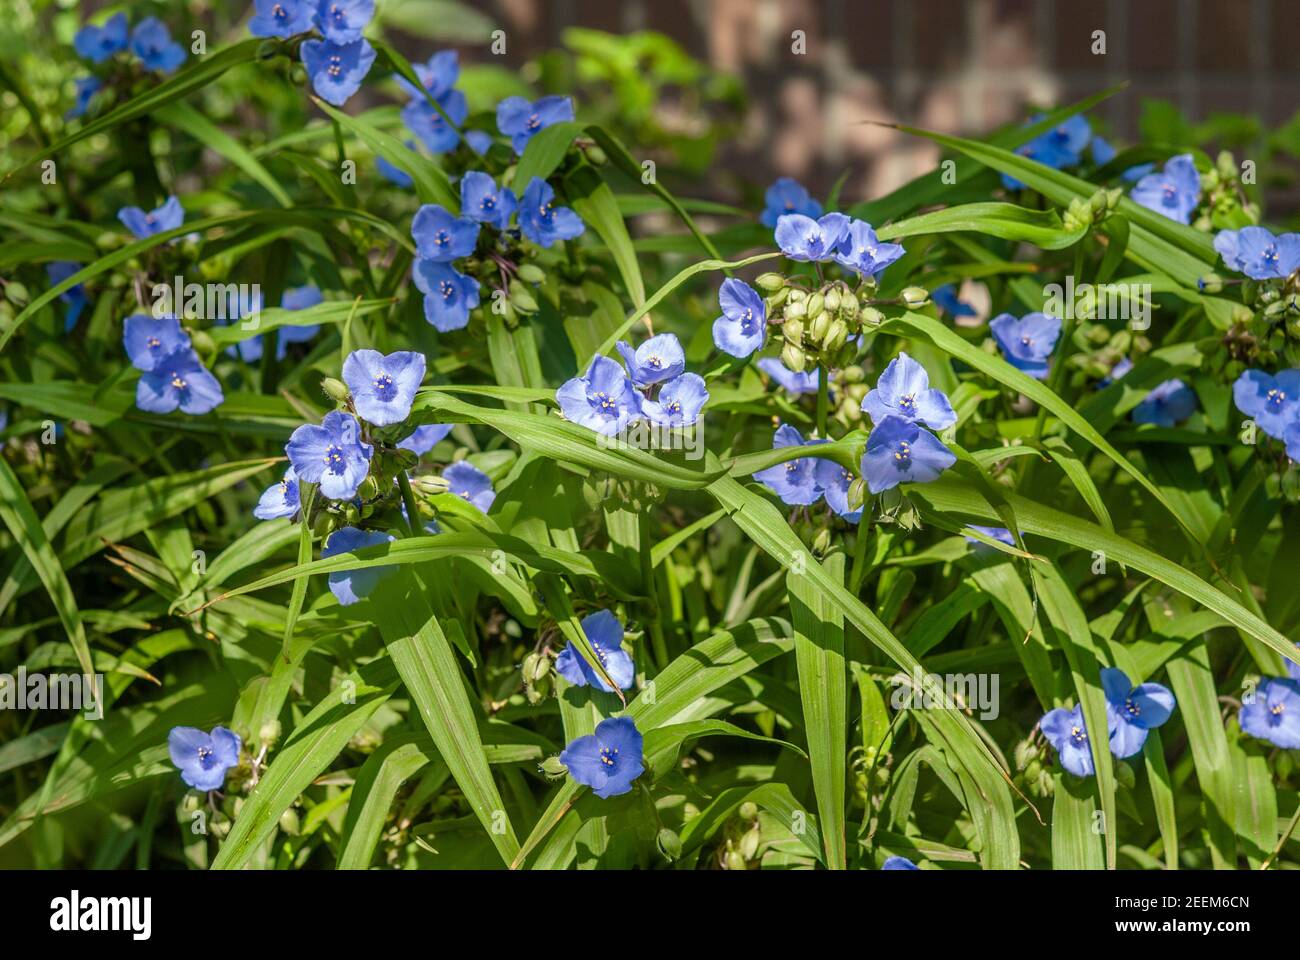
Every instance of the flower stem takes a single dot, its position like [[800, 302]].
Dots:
[[408, 498]]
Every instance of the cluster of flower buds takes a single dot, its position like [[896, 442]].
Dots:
[[1225, 204], [743, 839], [537, 676], [820, 326], [1082, 214]]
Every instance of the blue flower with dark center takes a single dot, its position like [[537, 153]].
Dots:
[[383, 387], [607, 760], [520, 120], [470, 484], [331, 454], [1067, 733], [425, 438], [794, 382], [1174, 192], [449, 295], [603, 399], [903, 390], [144, 225], [794, 481], [1258, 254], [1059, 147], [351, 586], [437, 75], [945, 298], [86, 88], [341, 21], [279, 499], [281, 18], [1166, 404], [337, 70], [1132, 711], [97, 44], [898, 863], [1027, 343], [149, 340], [605, 634], [679, 403], [482, 200], [835, 481], [1000, 534], [659, 358], [803, 238], [1273, 713], [787, 196], [178, 380], [152, 42], [541, 221], [203, 758], [900, 451], [74, 296], [862, 252], [743, 324], [441, 236], [427, 123]]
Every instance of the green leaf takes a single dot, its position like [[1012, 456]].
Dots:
[[1042, 228], [544, 152]]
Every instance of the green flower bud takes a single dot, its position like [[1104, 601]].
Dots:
[[748, 810], [795, 310], [849, 307], [1113, 197], [529, 667], [853, 374], [16, 293], [775, 300], [820, 324], [289, 822], [669, 844], [915, 296], [336, 389], [857, 494], [836, 335], [872, 317], [521, 299], [202, 341], [270, 732], [430, 485], [816, 304], [1226, 165], [793, 331], [734, 861], [596, 156], [553, 768], [749, 842], [1124, 775], [792, 357], [1097, 202], [822, 542], [369, 488], [770, 281], [531, 273], [832, 299], [796, 294]]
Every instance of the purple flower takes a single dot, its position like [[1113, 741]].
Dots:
[[178, 380], [203, 758], [449, 296], [470, 484], [152, 42], [607, 760], [351, 586], [803, 238], [1258, 254], [425, 438], [605, 634], [440, 236], [97, 44], [903, 390], [482, 200], [1273, 402], [1133, 711], [279, 499], [1027, 343], [835, 481], [1273, 713], [659, 358], [341, 21], [541, 221], [148, 340], [899, 451], [336, 70], [86, 88], [787, 196], [144, 225], [331, 454], [1166, 404], [862, 252], [1174, 192], [743, 324], [794, 382], [1066, 731], [679, 402], [603, 399], [281, 18], [383, 387], [794, 481], [520, 120]]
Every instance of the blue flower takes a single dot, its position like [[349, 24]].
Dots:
[[449, 295], [424, 120], [1000, 534], [835, 481], [520, 120], [148, 340], [279, 499], [1258, 254], [144, 225], [794, 481], [299, 298], [470, 484], [787, 196], [178, 380], [1273, 402], [351, 586], [679, 402], [152, 42], [1066, 731], [1174, 192], [803, 238], [97, 44], [862, 252], [903, 390], [425, 438], [383, 387], [1273, 713], [281, 18], [1058, 147], [607, 760], [478, 141], [605, 634], [1117, 372], [1166, 404], [437, 75], [86, 88], [481, 200], [659, 358], [440, 236], [795, 382], [341, 21], [395, 175], [541, 220], [1026, 343], [603, 399], [743, 324], [898, 863], [1132, 711], [899, 451], [331, 454], [74, 296], [336, 70], [945, 298], [203, 758]]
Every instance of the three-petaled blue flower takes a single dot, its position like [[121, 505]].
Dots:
[[603, 399], [1133, 711], [1273, 713], [541, 221], [903, 390], [279, 499], [679, 402], [441, 236], [331, 454], [1174, 192], [337, 70], [178, 380], [383, 387], [898, 863], [1258, 254], [945, 298], [1066, 731], [437, 75], [835, 480], [863, 253], [1273, 402], [281, 18], [743, 324], [351, 586], [152, 42], [148, 340], [659, 358], [803, 238], [449, 295], [787, 196], [794, 382], [425, 438], [482, 200], [341, 21], [470, 484], [1166, 404], [520, 120], [203, 758], [900, 451], [430, 124], [97, 44], [794, 481], [605, 634], [1027, 343], [1059, 147], [607, 760], [144, 225]]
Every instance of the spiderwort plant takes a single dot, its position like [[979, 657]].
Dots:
[[203, 759], [1027, 343], [331, 454], [607, 760], [605, 634], [1132, 712], [1066, 731]]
